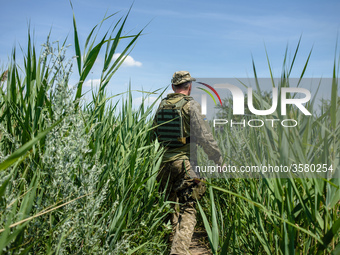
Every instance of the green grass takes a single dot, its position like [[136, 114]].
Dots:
[[79, 177], [295, 215]]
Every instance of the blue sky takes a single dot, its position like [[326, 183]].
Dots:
[[214, 38]]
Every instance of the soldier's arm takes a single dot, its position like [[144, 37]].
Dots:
[[201, 132]]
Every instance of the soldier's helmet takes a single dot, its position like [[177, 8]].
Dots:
[[181, 77]]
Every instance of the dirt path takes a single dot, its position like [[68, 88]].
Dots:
[[200, 244]]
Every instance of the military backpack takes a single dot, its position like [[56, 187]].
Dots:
[[169, 117]]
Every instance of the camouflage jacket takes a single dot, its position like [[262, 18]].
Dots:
[[200, 131]]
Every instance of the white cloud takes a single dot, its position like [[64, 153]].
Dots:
[[129, 61], [92, 83]]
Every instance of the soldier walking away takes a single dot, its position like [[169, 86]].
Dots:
[[172, 122]]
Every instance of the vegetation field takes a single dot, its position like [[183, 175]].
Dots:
[[79, 176]]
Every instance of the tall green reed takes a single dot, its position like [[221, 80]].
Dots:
[[76, 177], [279, 215]]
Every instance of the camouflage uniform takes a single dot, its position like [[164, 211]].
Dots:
[[183, 184]]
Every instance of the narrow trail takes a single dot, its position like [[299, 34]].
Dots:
[[200, 244]]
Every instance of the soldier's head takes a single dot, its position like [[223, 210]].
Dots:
[[182, 82]]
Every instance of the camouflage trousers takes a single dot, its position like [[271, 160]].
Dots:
[[178, 178]]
